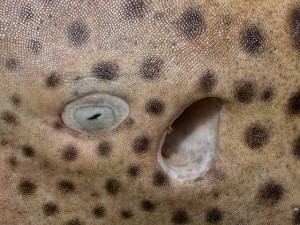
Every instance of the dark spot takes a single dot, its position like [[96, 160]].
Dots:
[[10, 118], [141, 144], [135, 9], [147, 206], [151, 68], [296, 148], [26, 12], [155, 107], [128, 123], [99, 211], [27, 187], [267, 95], [13, 161], [192, 23], [296, 217], [75, 221], [78, 33], [105, 71], [294, 103], [295, 26], [216, 194], [208, 82], [126, 214], [160, 179], [133, 171], [3, 142], [16, 99], [53, 80], [180, 216], [214, 215], [270, 193], [256, 136], [12, 64], [252, 40], [28, 151], [112, 186], [50, 209], [95, 194], [104, 149], [34, 46], [244, 91], [65, 186], [58, 125], [70, 153]]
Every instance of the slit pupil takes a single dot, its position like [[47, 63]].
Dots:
[[94, 117]]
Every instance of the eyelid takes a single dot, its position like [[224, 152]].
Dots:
[[106, 103]]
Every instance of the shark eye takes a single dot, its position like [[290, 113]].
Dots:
[[96, 113]]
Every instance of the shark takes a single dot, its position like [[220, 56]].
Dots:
[[149, 112]]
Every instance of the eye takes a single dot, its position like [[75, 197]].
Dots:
[[96, 113]]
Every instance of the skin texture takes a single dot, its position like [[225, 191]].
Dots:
[[160, 57]]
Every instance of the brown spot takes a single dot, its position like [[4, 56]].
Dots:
[[13, 161], [147, 206], [126, 214], [78, 33], [27, 187], [34, 46], [155, 107], [208, 82], [112, 186], [3, 142], [99, 211], [26, 12], [50, 209], [10, 118], [160, 179], [252, 40], [256, 136], [104, 149], [12, 64], [74, 221], [295, 26], [267, 95], [65, 186], [53, 80], [180, 216], [244, 91], [135, 9], [16, 99], [214, 215], [70, 153], [151, 68], [296, 148], [270, 193], [192, 23], [28, 151], [105, 71], [141, 144], [58, 125], [294, 103], [134, 171]]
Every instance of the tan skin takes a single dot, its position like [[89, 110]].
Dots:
[[159, 57]]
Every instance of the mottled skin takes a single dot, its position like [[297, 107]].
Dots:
[[51, 175]]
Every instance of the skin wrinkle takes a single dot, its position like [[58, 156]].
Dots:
[[159, 57]]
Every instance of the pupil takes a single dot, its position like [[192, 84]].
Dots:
[[94, 116]]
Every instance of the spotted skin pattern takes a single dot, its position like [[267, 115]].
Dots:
[[159, 56]]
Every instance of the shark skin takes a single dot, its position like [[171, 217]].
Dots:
[[149, 112]]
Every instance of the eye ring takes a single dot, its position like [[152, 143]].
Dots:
[[95, 114]]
